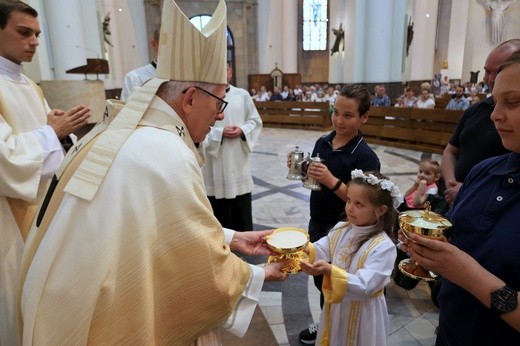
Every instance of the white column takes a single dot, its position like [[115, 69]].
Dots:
[[270, 43], [336, 61], [379, 30], [355, 40], [40, 68], [129, 38], [422, 49], [289, 36], [398, 39], [457, 38], [67, 36]]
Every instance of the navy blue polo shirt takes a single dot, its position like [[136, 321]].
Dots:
[[486, 225], [326, 207]]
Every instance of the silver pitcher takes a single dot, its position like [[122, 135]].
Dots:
[[308, 182], [296, 157]]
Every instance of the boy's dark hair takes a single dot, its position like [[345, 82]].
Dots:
[[8, 6], [357, 92]]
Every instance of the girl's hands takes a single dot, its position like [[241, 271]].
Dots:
[[320, 267]]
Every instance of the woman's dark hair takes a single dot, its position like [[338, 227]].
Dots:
[[357, 92], [8, 6]]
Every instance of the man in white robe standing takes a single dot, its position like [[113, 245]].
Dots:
[[137, 77], [30, 149], [227, 171], [128, 251]]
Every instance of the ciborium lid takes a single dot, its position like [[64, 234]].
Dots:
[[424, 222]]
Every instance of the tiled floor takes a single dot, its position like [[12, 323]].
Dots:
[[290, 306]]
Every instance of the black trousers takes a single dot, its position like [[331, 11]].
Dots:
[[234, 213]]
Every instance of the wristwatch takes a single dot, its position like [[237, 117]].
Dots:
[[504, 300]]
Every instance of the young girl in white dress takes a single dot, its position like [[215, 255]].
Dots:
[[356, 259]]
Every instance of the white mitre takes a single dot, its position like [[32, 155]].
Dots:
[[185, 54]]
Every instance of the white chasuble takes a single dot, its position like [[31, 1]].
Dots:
[[143, 262], [355, 311], [22, 111]]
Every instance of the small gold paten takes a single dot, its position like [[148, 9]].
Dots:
[[289, 243]]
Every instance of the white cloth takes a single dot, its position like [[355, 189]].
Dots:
[[227, 171], [110, 270], [429, 103], [29, 153], [262, 96], [371, 327], [136, 78], [331, 99]]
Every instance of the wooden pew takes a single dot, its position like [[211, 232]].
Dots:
[[428, 130], [295, 114]]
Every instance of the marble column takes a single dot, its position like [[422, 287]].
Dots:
[[277, 35], [66, 20], [422, 50], [289, 35], [379, 26]]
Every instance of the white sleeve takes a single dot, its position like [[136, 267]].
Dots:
[[432, 190], [228, 235], [241, 316], [53, 152], [130, 82]]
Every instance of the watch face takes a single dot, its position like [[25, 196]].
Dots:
[[504, 299]]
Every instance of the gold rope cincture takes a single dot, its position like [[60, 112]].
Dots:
[[23, 211], [153, 118]]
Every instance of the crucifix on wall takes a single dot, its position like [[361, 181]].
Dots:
[[340, 34], [497, 9]]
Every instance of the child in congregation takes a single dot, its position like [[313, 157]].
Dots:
[[356, 259], [425, 184]]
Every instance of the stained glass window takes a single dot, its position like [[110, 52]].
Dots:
[[315, 24]]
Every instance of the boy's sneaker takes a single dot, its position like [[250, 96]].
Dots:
[[308, 335]]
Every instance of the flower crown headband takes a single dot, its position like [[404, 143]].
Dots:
[[385, 184]]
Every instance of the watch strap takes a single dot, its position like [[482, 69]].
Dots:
[[338, 184]]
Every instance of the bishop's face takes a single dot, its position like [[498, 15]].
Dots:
[[206, 108]]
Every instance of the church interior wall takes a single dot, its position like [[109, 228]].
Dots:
[[460, 35]]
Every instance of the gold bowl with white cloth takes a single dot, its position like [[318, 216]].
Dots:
[[288, 243]]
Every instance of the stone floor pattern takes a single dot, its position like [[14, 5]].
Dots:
[[287, 308]]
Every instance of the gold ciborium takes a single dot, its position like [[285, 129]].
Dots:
[[288, 243], [427, 224]]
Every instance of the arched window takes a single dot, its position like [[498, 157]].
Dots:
[[200, 22], [315, 24]]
